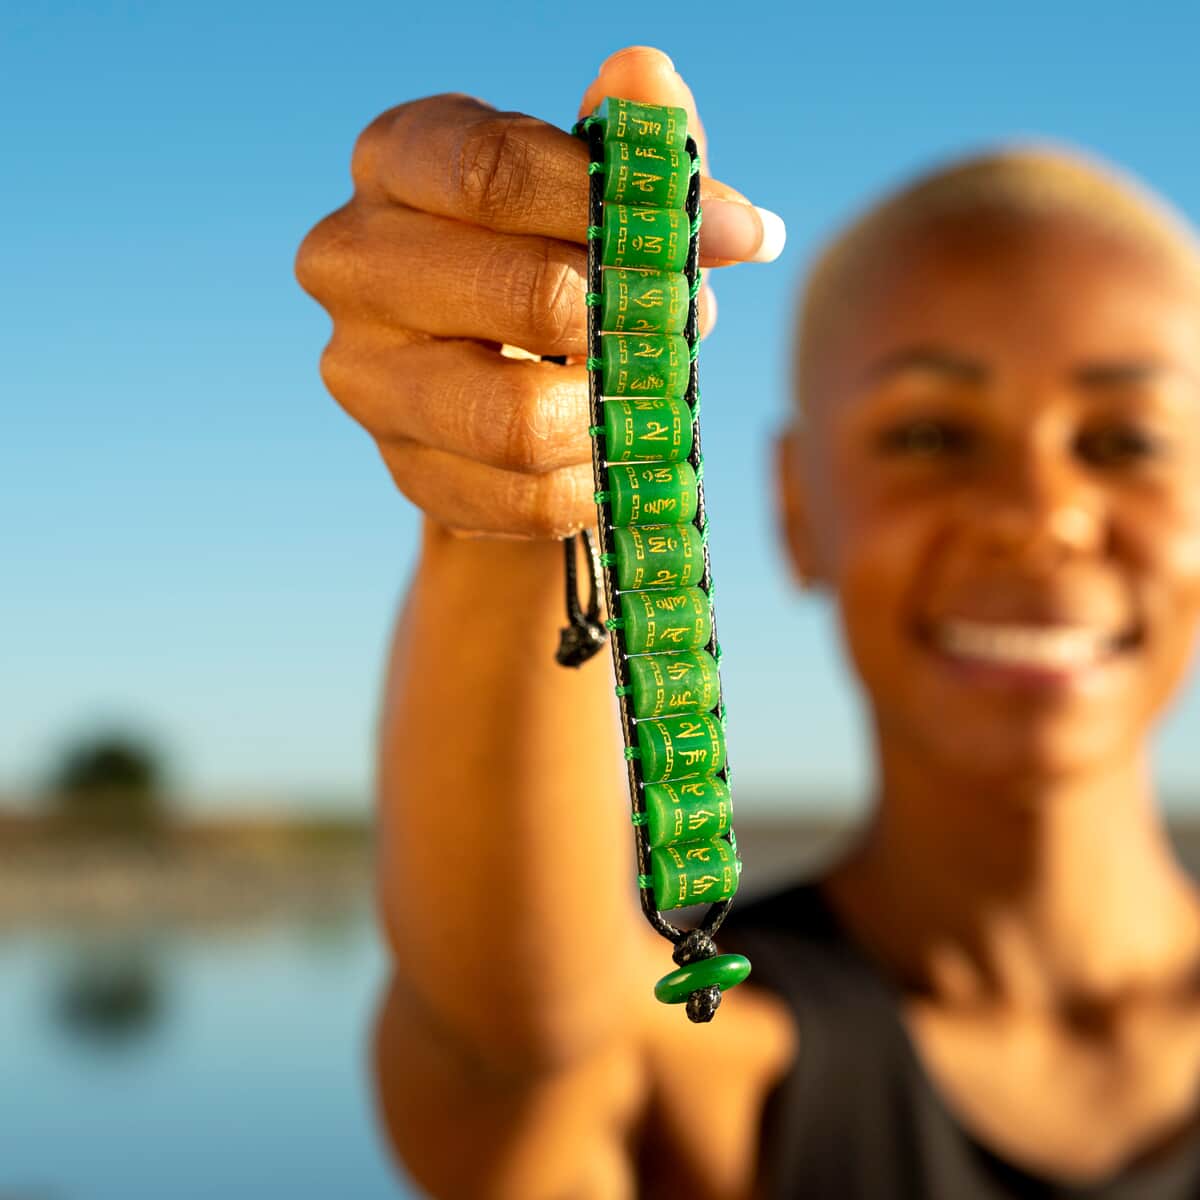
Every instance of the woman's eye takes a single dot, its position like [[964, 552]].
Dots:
[[926, 438], [1116, 445]]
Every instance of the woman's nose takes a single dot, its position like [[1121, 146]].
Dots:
[[1042, 507]]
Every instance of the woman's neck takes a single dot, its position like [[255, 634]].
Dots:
[[1034, 892]]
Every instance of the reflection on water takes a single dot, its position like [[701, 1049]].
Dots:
[[151, 1063], [109, 992]]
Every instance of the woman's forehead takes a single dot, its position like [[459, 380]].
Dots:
[[1033, 290]]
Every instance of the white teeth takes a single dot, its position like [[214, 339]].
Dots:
[[1057, 647]]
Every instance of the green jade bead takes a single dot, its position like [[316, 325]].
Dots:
[[686, 809], [661, 125], [652, 493], [655, 239], [693, 873], [666, 684], [649, 427], [644, 364], [666, 556], [645, 175], [671, 747], [679, 619], [643, 301], [724, 971]]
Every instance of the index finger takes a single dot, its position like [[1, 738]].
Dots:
[[458, 157]]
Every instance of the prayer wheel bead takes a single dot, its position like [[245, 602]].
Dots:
[[663, 556], [643, 124], [643, 301], [652, 493], [675, 619], [658, 427], [650, 175], [666, 684], [655, 239], [693, 873], [686, 809], [644, 364], [671, 747]]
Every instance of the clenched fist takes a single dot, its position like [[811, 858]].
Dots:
[[463, 246]]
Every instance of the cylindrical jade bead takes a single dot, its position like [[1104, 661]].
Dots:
[[644, 364], [652, 493], [693, 873], [643, 301], [679, 619], [686, 809], [653, 238], [665, 556], [671, 747], [650, 175], [658, 427], [644, 124], [666, 684]]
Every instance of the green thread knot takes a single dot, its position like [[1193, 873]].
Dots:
[[594, 364], [693, 352], [645, 881], [607, 560], [695, 285], [595, 168], [640, 819], [632, 752], [595, 231], [593, 430], [591, 299], [601, 497], [613, 622], [622, 690]]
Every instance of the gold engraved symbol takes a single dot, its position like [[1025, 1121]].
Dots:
[[652, 243], [670, 603], [644, 181], [696, 820], [703, 883], [692, 757], [664, 577], [656, 431], [677, 671], [660, 543], [682, 700], [691, 789], [646, 127], [651, 298], [647, 350], [658, 475], [700, 853], [647, 152]]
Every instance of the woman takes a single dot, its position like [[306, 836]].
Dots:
[[996, 471]]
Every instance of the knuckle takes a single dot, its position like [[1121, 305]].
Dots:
[[554, 297], [526, 428], [364, 158], [321, 258], [495, 171], [559, 502]]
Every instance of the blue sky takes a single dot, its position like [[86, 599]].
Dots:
[[197, 543]]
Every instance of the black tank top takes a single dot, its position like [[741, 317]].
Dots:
[[856, 1117]]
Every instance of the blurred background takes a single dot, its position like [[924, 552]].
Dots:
[[201, 556]]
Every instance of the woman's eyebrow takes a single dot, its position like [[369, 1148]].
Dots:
[[925, 358], [970, 370]]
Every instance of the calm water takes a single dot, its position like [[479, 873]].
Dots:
[[181, 1064]]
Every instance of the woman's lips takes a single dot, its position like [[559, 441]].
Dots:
[[1024, 652]]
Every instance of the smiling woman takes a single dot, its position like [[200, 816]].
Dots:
[[995, 471]]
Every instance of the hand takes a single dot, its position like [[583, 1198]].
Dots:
[[466, 238]]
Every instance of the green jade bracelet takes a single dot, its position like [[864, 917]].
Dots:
[[643, 342]]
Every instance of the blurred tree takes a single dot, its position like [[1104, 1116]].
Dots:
[[111, 782]]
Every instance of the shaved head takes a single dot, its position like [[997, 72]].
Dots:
[[1011, 186]]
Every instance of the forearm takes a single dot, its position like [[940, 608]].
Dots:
[[506, 859]]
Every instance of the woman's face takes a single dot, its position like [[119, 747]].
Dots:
[[1001, 483]]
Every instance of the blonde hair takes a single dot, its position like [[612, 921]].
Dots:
[[1028, 180]]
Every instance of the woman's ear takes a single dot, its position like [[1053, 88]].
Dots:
[[791, 505]]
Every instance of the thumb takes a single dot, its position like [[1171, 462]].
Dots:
[[648, 76]]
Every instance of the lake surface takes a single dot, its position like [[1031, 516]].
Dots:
[[172, 1065]]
